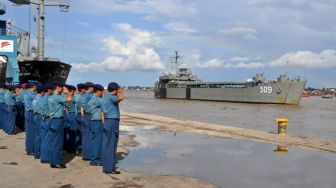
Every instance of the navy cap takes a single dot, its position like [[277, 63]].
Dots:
[[18, 86], [58, 83], [31, 84], [70, 87], [112, 86], [81, 86], [89, 84], [12, 87], [98, 87], [49, 86], [40, 87]]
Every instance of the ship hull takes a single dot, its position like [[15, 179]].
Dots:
[[271, 93], [43, 71]]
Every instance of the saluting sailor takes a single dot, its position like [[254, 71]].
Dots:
[[85, 120], [28, 97], [81, 90], [96, 125], [10, 110], [56, 104], [2, 105], [45, 125], [111, 127], [37, 119], [71, 121]]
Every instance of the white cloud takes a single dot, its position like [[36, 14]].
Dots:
[[239, 59], [238, 31], [137, 53], [84, 24], [180, 27], [308, 59]]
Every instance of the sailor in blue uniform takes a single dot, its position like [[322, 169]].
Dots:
[[56, 103], [81, 90], [28, 98], [10, 110], [96, 125], [45, 124], [37, 119], [2, 105], [71, 121], [85, 120], [111, 127], [19, 106]]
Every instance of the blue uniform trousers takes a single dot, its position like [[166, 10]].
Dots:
[[96, 139], [45, 139], [56, 132], [85, 131], [110, 143], [78, 133], [20, 115], [71, 123], [10, 119], [37, 143], [30, 131], [2, 114]]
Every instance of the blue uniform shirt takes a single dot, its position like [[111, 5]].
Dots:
[[77, 98], [95, 107], [2, 96], [10, 98], [20, 96], [44, 105], [56, 105], [84, 100], [36, 104], [111, 106], [71, 106], [28, 97]]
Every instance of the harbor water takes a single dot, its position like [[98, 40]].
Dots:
[[314, 117]]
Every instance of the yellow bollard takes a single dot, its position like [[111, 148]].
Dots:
[[281, 150], [282, 125]]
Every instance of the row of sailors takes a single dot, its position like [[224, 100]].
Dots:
[[57, 116]]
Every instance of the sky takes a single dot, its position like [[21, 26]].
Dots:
[[131, 41]]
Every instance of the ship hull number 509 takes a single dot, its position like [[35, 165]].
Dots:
[[266, 89]]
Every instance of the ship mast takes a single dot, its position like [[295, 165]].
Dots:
[[41, 22], [176, 58]]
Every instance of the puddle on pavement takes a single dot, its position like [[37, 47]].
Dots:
[[228, 162]]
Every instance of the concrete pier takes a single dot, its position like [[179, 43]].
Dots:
[[176, 125]]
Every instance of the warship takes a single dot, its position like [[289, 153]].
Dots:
[[183, 84], [17, 63]]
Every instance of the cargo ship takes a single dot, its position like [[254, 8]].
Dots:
[[17, 62], [183, 84]]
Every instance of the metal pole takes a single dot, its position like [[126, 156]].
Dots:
[[40, 31]]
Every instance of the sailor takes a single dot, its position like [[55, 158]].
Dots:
[[28, 97], [37, 119], [2, 104], [45, 124], [111, 127], [71, 121], [81, 90], [56, 104], [20, 89], [85, 120], [96, 125], [10, 109]]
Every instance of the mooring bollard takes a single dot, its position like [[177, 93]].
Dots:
[[282, 125], [281, 150]]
